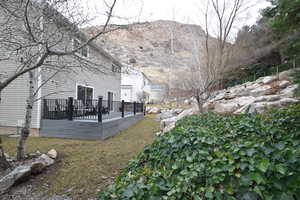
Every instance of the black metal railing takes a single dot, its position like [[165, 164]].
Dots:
[[55, 109], [73, 109]]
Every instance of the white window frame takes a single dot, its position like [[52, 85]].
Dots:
[[113, 98], [84, 85], [80, 53]]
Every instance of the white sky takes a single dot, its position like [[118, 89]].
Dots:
[[185, 11]]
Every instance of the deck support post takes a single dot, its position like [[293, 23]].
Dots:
[[134, 108], [100, 109], [70, 108], [123, 106]]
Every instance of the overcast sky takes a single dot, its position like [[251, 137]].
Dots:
[[185, 11]]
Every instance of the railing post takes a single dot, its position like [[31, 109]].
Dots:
[[134, 108], [100, 109], [70, 108], [142, 107], [123, 107]]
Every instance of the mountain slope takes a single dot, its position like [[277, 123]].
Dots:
[[158, 48]]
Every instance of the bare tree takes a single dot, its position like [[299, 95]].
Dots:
[[212, 54], [36, 36]]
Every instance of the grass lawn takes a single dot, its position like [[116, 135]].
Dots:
[[85, 167]]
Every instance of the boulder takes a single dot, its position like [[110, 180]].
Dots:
[[258, 107], [285, 75], [244, 109], [252, 86], [166, 122], [208, 106], [46, 160], [268, 98], [226, 107], [261, 90], [178, 111], [283, 84], [267, 79], [52, 154], [166, 115], [154, 110], [187, 102], [37, 167], [237, 91], [185, 113], [289, 91], [19, 174], [148, 109], [241, 101], [288, 101], [218, 96], [261, 107]]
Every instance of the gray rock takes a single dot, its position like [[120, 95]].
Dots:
[[37, 167], [166, 115], [268, 98], [266, 79], [154, 110], [52, 154], [226, 107], [178, 111], [289, 91], [46, 160], [261, 90], [18, 174]]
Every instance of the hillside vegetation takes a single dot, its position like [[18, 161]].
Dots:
[[248, 157]]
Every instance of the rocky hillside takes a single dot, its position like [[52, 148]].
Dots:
[[258, 96], [155, 47]]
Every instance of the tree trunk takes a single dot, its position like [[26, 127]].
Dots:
[[200, 104], [4, 164], [28, 116]]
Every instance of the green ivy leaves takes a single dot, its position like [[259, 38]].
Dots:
[[214, 157]]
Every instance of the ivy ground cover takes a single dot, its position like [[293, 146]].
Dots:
[[245, 157]]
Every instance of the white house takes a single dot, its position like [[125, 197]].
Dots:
[[80, 83], [135, 85]]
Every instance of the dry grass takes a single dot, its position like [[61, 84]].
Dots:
[[84, 165]]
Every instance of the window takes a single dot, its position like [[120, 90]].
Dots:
[[110, 100], [85, 94], [83, 51]]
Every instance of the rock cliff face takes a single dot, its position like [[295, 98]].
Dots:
[[155, 47], [258, 96]]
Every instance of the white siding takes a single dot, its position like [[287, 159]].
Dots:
[[13, 100]]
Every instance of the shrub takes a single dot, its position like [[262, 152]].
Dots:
[[247, 157]]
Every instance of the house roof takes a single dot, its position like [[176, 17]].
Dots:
[[62, 21]]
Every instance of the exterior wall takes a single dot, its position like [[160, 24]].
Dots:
[[13, 99], [126, 93], [63, 85], [137, 82]]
